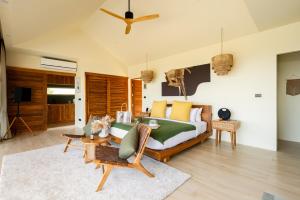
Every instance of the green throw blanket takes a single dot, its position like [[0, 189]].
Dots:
[[166, 130]]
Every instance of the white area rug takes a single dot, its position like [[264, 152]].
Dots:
[[48, 173]]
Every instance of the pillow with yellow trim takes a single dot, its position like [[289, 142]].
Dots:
[[181, 111], [159, 109]]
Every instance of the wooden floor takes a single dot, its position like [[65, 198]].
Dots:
[[217, 172]]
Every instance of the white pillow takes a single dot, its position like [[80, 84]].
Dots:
[[198, 115], [168, 112], [193, 114]]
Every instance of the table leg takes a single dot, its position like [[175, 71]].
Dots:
[[84, 151], [67, 145], [217, 137], [220, 136], [232, 139]]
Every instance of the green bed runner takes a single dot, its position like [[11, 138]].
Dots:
[[166, 130]]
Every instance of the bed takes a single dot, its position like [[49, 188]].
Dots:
[[177, 135]]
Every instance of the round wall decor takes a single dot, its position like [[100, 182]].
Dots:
[[224, 114]]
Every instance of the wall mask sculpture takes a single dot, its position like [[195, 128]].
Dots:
[[184, 81], [293, 87]]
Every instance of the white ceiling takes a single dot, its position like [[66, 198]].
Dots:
[[272, 13], [26, 19], [182, 26]]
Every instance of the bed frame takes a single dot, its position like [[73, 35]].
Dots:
[[165, 155]]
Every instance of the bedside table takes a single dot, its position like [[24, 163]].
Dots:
[[226, 125], [143, 114]]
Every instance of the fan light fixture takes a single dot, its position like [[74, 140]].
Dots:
[[222, 63], [129, 17]]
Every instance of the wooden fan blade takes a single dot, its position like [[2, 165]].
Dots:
[[145, 18], [112, 14], [128, 28]]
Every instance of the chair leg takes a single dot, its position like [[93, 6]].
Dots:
[[67, 145], [141, 168], [104, 177]]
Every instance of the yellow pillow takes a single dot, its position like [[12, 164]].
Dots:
[[159, 109], [181, 111]]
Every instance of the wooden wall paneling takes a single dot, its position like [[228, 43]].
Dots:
[[34, 112], [136, 96]]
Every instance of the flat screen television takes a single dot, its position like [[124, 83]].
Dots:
[[22, 94]]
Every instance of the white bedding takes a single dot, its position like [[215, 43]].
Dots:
[[179, 138]]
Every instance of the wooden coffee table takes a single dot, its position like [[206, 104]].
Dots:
[[90, 144]]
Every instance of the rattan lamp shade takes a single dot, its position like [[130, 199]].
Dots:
[[222, 64], [147, 76]]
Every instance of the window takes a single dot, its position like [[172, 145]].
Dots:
[[61, 91]]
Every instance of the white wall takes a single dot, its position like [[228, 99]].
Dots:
[[254, 71], [288, 106], [70, 44]]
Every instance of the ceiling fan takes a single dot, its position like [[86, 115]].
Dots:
[[129, 18]]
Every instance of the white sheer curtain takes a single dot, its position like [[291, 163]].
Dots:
[[3, 95]]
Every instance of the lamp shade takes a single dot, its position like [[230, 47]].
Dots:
[[147, 76], [222, 63]]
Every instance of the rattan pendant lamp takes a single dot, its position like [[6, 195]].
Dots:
[[147, 75], [222, 63]]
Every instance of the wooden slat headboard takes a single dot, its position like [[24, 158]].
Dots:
[[206, 114]]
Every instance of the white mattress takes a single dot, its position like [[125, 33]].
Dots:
[[179, 138]]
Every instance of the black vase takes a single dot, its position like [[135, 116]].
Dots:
[[224, 114]]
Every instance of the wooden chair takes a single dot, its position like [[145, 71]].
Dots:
[[109, 156]]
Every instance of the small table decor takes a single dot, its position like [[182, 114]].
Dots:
[[102, 126]]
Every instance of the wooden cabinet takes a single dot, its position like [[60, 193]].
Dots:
[[61, 113], [53, 79]]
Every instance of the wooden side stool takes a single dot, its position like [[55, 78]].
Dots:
[[229, 125]]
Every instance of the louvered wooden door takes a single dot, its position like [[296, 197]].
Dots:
[[96, 96], [136, 97], [118, 94], [105, 94]]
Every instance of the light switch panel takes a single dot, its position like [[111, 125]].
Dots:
[[258, 95]]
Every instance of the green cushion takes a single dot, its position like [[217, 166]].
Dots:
[[88, 127], [129, 143]]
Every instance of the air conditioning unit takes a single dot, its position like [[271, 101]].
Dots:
[[58, 64]]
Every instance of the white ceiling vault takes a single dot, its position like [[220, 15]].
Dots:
[[182, 26]]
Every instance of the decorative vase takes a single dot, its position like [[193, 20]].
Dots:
[[104, 133]]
